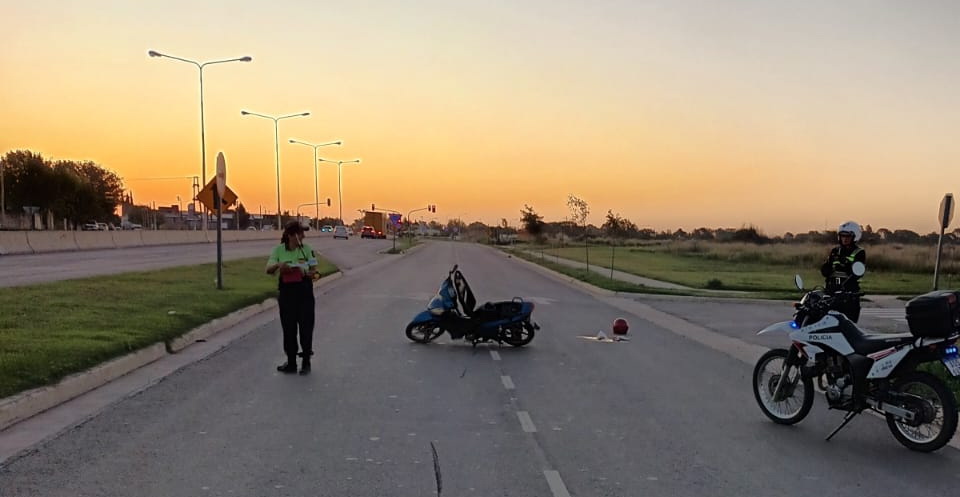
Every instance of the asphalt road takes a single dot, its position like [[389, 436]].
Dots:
[[669, 413], [28, 269]]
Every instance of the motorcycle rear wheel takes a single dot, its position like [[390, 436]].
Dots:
[[799, 395], [423, 332], [936, 406], [518, 335]]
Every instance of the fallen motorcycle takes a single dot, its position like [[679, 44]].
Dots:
[[454, 310]]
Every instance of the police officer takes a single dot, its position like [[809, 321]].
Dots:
[[296, 264], [838, 269]]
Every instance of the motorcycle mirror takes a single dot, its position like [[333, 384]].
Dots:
[[799, 281], [859, 268]]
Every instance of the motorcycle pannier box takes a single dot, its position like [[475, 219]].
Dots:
[[935, 314]]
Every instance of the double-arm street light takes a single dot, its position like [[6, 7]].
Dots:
[[339, 164], [276, 146], [203, 141], [316, 181]]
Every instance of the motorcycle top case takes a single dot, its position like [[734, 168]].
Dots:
[[935, 314]]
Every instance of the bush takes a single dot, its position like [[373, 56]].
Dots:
[[714, 284]]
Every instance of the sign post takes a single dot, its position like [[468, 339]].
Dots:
[[218, 195], [395, 221], [946, 215]]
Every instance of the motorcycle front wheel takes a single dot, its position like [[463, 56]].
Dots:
[[424, 332], [934, 408], [795, 398]]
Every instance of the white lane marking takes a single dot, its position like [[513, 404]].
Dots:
[[556, 483], [540, 300], [525, 422], [507, 382], [495, 355]]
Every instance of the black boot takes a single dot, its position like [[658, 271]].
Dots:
[[290, 366], [305, 364]]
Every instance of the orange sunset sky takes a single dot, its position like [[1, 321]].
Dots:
[[676, 114]]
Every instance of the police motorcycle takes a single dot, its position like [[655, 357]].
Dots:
[[858, 371], [454, 310]]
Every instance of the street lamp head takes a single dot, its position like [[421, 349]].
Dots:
[[154, 54], [246, 59], [305, 114], [338, 143], [243, 112], [293, 141]]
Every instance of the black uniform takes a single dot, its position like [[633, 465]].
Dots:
[[838, 270]]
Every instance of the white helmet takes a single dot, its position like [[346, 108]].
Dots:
[[851, 228]]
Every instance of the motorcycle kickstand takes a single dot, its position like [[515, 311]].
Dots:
[[846, 419]]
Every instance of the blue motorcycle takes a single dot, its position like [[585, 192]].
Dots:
[[453, 310]]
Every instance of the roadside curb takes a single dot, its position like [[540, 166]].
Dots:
[[562, 278], [32, 402], [25, 405]]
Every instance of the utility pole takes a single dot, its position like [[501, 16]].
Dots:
[[3, 199]]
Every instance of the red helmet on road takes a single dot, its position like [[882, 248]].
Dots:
[[620, 326]]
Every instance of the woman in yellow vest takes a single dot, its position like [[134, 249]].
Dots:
[[838, 269], [296, 265]]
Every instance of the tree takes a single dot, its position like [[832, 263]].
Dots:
[[579, 210], [532, 222], [243, 217], [615, 229], [614, 226], [27, 177]]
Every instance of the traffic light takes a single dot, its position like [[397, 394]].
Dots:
[[432, 208], [328, 201], [373, 207]]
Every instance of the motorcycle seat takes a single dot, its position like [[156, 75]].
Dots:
[[867, 343]]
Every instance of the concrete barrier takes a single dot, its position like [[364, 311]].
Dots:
[[88, 240], [124, 239], [171, 237], [27, 242], [51, 241], [14, 242]]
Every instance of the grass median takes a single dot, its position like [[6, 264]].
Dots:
[[51, 330]]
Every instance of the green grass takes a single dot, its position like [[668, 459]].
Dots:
[[740, 271], [51, 330], [605, 282]]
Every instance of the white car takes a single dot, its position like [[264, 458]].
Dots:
[[341, 232]]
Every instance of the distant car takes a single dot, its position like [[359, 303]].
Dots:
[[326, 228], [91, 226], [350, 231], [341, 232], [368, 232]]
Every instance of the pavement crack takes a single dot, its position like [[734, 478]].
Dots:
[[436, 468]]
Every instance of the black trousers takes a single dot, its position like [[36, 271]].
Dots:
[[850, 309], [297, 317]]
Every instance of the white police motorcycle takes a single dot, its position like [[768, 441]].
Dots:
[[859, 371]]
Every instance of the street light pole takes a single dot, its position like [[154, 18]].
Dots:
[[339, 164], [203, 139], [276, 146], [316, 180], [3, 199]]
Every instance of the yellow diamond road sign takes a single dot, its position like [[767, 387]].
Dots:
[[205, 196]]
